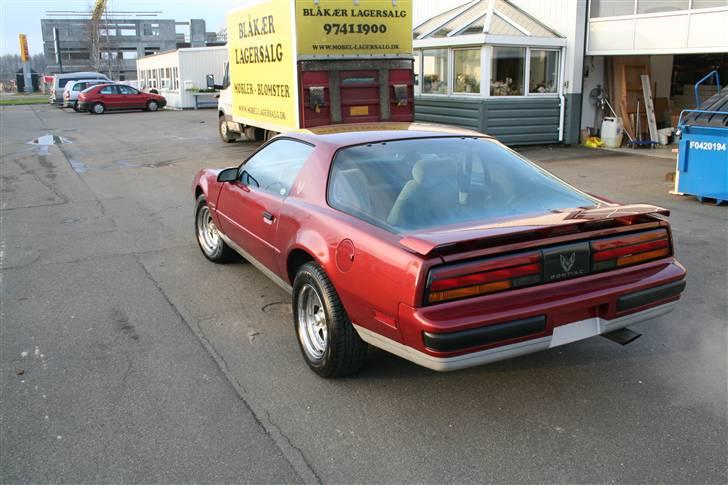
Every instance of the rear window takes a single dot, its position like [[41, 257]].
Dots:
[[419, 184]]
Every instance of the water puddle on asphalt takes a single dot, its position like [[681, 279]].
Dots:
[[49, 139]]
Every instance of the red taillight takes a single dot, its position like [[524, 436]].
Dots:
[[620, 251], [452, 283], [66, 94], [478, 278]]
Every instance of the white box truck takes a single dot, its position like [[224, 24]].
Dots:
[[305, 63]]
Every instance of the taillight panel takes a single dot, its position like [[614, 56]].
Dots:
[[621, 251], [482, 277]]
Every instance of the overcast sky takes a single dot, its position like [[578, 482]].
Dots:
[[23, 16]]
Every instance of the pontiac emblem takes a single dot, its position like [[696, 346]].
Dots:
[[567, 262]]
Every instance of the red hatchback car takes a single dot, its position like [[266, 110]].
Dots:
[[98, 99], [441, 246]]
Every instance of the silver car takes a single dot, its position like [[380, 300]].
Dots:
[[60, 81], [73, 88]]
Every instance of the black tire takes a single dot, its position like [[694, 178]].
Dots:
[[97, 109], [214, 249], [223, 130], [75, 107], [152, 106], [344, 351]]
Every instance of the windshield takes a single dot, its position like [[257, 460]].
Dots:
[[420, 184]]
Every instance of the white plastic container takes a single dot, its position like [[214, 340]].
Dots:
[[612, 132], [664, 135]]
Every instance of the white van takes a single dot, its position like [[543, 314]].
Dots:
[[73, 88], [60, 81]]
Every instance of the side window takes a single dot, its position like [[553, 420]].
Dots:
[[274, 168], [78, 87], [127, 90], [108, 90]]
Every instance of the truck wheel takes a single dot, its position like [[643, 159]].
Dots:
[[270, 134], [226, 135], [208, 236], [329, 343]]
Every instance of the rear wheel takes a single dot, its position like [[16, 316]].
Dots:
[[208, 236], [329, 343], [152, 106], [226, 135], [98, 109], [75, 106]]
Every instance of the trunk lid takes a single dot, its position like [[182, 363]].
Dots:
[[447, 242]]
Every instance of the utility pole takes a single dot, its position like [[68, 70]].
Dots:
[[57, 47]]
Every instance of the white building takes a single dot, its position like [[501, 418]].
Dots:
[[180, 74], [597, 43]]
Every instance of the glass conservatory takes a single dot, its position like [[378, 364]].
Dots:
[[490, 66]]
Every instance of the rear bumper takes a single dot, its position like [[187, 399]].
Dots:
[[83, 106], [564, 334], [484, 329]]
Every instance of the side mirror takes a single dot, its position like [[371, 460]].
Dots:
[[210, 80], [228, 175]]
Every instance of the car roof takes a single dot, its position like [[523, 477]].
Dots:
[[81, 75], [98, 81], [360, 133]]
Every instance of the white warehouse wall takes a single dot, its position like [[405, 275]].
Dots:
[[568, 18]]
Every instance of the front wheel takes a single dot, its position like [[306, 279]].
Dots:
[[329, 343], [208, 236], [152, 106], [226, 135]]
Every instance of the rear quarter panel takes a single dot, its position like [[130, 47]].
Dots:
[[382, 273], [371, 280]]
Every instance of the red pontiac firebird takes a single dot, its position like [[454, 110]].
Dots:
[[439, 245]]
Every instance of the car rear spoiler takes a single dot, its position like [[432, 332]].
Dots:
[[500, 231]]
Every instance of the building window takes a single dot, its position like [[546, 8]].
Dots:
[[611, 8], [150, 51], [434, 71], [109, 55], [128, 53], [467, 71], [658, 6], [151, 29], [543, 71], [709, 3], [175, 79], [507, 71]]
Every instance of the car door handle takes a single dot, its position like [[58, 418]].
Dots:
[[268, 218]]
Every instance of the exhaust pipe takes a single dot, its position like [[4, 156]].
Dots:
[[623, 336]]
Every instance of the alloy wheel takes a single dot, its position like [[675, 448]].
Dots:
[[312, 324]]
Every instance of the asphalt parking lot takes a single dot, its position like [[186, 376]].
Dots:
[[128, 357]]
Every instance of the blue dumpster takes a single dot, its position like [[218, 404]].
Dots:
[[703, 151]]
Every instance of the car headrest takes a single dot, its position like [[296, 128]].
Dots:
[[427, 172]]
